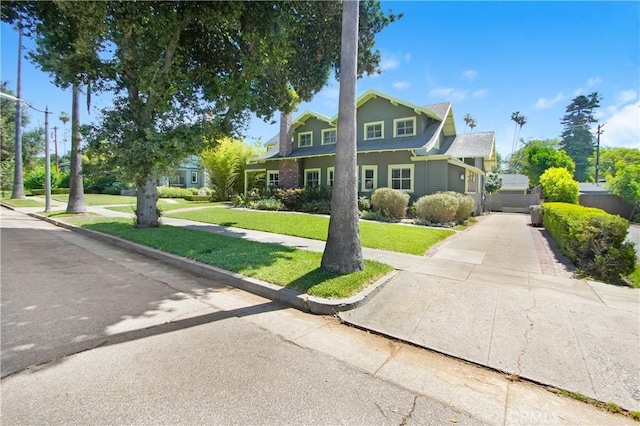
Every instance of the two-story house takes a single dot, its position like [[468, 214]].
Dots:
[[399, 145]]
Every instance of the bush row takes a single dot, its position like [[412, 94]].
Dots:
[[592, 239], [53, 191], [385, 204], [177, 192]]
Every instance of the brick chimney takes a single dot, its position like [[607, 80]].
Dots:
[[289, 170], [286, 138]]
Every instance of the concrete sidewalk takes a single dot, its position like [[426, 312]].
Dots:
[[499, 296]]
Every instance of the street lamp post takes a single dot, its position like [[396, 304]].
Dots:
[[47, 163]]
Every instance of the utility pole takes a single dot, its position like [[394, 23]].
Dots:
[[18, 182], [55, 144], [47, 163], [598, 133]]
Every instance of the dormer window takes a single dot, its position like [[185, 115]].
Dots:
[[374, 130], [404, 127], [305, 139]]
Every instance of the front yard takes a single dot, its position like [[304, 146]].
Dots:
[[287, 267], [408, 239]]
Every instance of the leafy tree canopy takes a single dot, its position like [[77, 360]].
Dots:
[[577, 139], [626, 183], [609, 158], [540, 156]]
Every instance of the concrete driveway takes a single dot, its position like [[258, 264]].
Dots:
[[507, 300]]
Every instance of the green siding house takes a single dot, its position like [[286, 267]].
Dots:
[[189, 174], [400, 145]]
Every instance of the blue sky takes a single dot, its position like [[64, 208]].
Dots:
[[488, 58]]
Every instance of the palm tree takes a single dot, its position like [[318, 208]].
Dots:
[[343, 252], [469, 121], [520, 121], [76, 190], [473, 123], [64, 117]]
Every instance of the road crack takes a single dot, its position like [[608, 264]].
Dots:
[[526, 337], [406, 418]]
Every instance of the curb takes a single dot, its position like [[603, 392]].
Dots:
[[300, 301]]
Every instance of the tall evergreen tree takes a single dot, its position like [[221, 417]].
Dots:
[[577, 139]]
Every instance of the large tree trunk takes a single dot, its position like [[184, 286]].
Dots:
[[147, 214], [18, 182], [343, 253], [76, 189]]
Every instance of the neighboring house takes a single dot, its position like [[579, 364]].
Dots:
[[514, 184], [399, 145], [190, 174]]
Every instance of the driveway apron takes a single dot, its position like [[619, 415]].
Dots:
[[500, 295]]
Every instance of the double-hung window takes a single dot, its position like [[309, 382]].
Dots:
[[312, 177], [374, 130], [272, 178], [369, 181], [330, 175], [401, 177], [305, 139], [194, 176], [329, 136], [404, 127]]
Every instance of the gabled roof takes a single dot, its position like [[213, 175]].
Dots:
[[302, 118], [471, 145], [373, 94], [592, 188]]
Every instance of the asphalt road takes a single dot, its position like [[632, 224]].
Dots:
[[96, 335]]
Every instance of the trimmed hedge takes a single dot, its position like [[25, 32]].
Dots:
[[53, 191], [197, 197], [592, 238], [444, 207]]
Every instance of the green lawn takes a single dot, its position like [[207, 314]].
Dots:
[[98, 199], [295, 269], [385, 236], [165, 206], [22, 203]]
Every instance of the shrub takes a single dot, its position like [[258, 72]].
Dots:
[[267, 204], [391, 202], [35, 179], [173, 192], [318, 193], [319, 207], [558, 186], [107, 184], [377, 216], [197, 197], [364, 204], [291, 198], [466, 204], [592, 239], [441, 207], [53, 191]]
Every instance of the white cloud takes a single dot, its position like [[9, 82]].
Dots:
[[546, 103], [407, 57], [481, 93], [389, 63], [622, 127], [469, 75], [626, 96], [401, 85], [593, 81], [448, 94]]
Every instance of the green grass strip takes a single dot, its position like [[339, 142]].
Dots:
[[98, 199], [287, 267], [23, 202], [165, 207], [384, 236]]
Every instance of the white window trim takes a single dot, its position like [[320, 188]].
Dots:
[[277, 172], [194, 173], [468, 176], [327, 131], [363, 179], [373, 123], [395, 126], [304, 134], [402, 166], [329, 171], [313, 170]]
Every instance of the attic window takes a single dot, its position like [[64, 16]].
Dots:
[[329, 136], [374, 130], [305, 139], [404, 127]]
